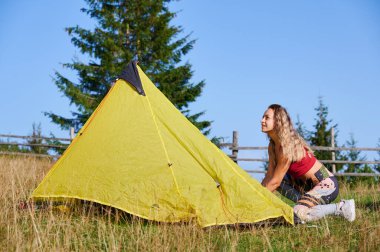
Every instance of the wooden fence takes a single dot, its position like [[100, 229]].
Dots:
[[235, 148], [15, 138]]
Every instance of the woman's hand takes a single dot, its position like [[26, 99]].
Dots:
[[265, 180]]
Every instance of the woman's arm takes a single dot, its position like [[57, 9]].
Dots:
[[279, 172]]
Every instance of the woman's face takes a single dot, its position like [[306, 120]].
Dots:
[[267, 123]]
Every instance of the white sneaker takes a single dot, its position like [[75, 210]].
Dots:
[[347, 209]]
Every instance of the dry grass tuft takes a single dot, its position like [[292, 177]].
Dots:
[[93, 227]]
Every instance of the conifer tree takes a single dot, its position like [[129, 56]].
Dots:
[[128, 30], [36, 140], [355, 155], [322, 134], [301, 129], [377, 166]]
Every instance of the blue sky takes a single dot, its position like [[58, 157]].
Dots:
[[250, 54]]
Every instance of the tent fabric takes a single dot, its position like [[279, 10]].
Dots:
[[141, 155]]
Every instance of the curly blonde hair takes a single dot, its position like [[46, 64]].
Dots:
[[291, 142]]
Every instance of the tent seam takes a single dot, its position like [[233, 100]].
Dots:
[[163, 145], [224, 156]]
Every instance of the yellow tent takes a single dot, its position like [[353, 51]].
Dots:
[[138, 153]]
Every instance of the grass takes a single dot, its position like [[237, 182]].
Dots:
[[92, 227]]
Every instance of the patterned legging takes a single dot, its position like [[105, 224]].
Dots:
[[306, 195]]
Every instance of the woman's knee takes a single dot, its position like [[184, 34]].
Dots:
[[332, 196], [287, 189]]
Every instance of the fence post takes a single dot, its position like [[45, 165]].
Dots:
[[333, 152], [235, 144], [72, 133]]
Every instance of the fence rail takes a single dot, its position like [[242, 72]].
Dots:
[[318, 148], [23, 152], [323, 161], [235, 148], [36, 138], [8, 153], [35, 145]]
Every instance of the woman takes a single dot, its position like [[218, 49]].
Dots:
[[297, 174]]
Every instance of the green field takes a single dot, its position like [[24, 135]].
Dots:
[[90, 227]]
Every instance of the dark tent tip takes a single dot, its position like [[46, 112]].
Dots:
[[131, 75]]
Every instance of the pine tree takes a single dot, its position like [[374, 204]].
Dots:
[[128, 30], [355, 155], [30, 145], [36, 140], [322, 135], [59, 145], [377, 166], [301, 129]]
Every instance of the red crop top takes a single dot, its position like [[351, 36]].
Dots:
[[299, 168]]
